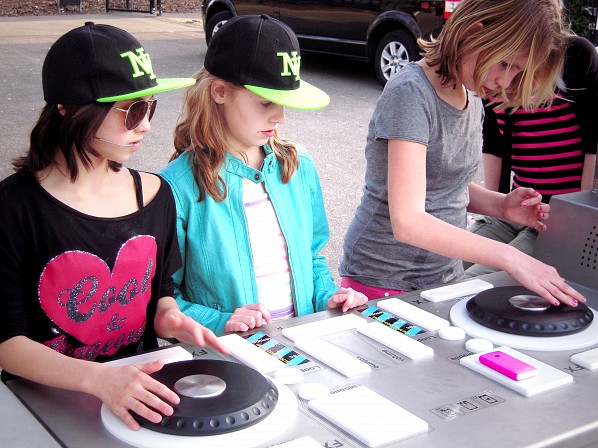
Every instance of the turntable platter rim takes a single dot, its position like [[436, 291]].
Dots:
[[494, 308], [587, 338], [279, 421]]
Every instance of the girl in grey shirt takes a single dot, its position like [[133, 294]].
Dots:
[[424, 146]]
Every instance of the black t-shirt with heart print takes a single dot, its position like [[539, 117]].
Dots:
[[83, 285]]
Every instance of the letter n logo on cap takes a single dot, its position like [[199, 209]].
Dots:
[[140, 62], [291, 63]]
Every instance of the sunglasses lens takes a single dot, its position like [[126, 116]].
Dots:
[[137, 112], [152, 108]]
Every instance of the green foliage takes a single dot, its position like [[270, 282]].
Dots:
[[577, 15]]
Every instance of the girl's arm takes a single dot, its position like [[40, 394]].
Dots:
[[120, 388], [581, 79], [324, 286], [209, 317], [170, 322], [346, 298], [492, 168], [522, 205], [411, 224], [243, 318], [589, 168]]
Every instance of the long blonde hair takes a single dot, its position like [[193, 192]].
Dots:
[[510, 28], [202, 129]]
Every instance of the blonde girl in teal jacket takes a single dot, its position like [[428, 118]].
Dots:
[[228, 153]]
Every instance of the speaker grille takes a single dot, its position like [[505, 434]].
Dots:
[[589, 253]]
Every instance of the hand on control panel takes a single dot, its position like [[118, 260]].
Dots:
[[346, 298]]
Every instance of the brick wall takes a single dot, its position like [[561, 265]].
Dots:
[[50, 7]]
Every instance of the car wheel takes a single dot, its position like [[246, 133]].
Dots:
[[394, 51], [215, 23]]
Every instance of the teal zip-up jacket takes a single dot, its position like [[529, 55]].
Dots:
[[217, 275]]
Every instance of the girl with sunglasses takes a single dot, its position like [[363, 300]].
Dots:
[[87, 247], [250, 212], [424, 148]]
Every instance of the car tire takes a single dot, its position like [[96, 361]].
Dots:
[[395, 50], [215, 23]]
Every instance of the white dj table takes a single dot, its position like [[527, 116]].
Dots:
[[461, 406], [427, 391]]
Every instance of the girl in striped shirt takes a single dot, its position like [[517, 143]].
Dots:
[[551, 149]]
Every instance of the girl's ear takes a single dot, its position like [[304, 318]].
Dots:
[[61, 109], [218, 91], [478, 26]]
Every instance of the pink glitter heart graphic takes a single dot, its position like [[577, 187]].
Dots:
[[85, 299]]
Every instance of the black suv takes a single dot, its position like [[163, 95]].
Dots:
[[383, 32]]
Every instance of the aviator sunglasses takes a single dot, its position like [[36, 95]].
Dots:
[[137, 111]]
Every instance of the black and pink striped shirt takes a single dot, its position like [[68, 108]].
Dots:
[[548, 145]]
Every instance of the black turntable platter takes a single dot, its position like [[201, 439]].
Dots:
[[517, 310], [216, 397]]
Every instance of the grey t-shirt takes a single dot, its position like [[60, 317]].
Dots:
[[409, 109]]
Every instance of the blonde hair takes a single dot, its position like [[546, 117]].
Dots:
[[202, 129], [510, 28]]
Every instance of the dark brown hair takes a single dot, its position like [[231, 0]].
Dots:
[[71, 134]]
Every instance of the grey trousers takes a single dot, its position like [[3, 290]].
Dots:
[[516, 235]]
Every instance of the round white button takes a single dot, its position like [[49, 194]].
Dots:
[[451, 333], [479, 345], [309, 391], [288, 375]]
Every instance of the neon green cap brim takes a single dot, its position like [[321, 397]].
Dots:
[[306, 97], [163, 85]]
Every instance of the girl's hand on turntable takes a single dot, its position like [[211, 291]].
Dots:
[[130, 388], [346, 298], [248, 317], [544, 280], [525, 206], [170, 322]]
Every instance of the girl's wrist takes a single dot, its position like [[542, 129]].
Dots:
[[503, 206], [91, 377], [507, 258]]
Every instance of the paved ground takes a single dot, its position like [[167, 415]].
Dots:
[[45, 29]]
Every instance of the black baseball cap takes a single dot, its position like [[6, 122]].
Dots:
[[101, 63], [262, 54]]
